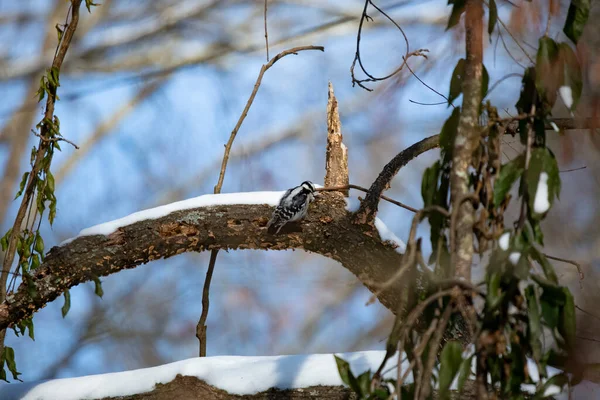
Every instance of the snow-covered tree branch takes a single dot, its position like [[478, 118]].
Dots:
[[228, 222]]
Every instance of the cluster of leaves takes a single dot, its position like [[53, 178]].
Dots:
[[40, 182], [524, 302]]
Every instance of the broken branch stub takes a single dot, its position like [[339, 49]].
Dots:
[[336, 158]]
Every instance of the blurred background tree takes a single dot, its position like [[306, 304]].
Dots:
[[151, 90]]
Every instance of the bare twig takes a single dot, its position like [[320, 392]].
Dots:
[[365, 190], [55, 139], [433, 352], [427, 86], [573, 169], [512, 36], [369, 206], [428, 104], [502, 79], [201, 327], [587, 312], [575, 264], [357, 58], [266, 32], [264, 69]]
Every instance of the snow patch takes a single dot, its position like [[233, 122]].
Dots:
[[240, 375], [566, 94], [514, 257], [207, 200], [352, 205], [235, 374], [541, 203], [504, 240]]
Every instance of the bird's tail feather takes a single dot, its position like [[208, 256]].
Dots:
[[275, 224]]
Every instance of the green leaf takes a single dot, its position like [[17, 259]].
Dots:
[[429, 183], [30, 327], [39, 244], [35, 261], [448, 133], [535, 325], [52, 213], [364, 383], [98, 287], [22, 184], [89, 4], [493, 18], [451, 359], [508, 175], [457, 9], [494, 294], [346, 374], [485, 82], [9, 356], [5, 239], [567, 325], [577, 16], [572, 76], [545, 264], [59, 32], [456, 81], [67, 306], [550, 312], [547, 79], [50, 181], [464, 373]]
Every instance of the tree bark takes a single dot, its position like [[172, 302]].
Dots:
[[467, 138], [328, 230]]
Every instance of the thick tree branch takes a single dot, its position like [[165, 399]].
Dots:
[[328, 230], [369, 206]]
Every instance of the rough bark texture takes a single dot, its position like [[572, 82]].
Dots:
[[336, 164], [368, 208], [467, 138], [328, 230], [189, 387]]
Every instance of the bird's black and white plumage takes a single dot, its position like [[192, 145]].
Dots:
[[292, 206]]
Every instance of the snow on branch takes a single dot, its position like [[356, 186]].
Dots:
[[225, 221]]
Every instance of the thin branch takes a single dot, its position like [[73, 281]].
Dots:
[[201, 327], [587, 312], [365, 190], [57, 62], [499, 81], [427, 86], [264, 69], [357, 57], [55, 139], [433, 353], [573, 169], [369, 206], [513, 37], [574, 263], [428, 104], [48, 115], [266, 32]]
